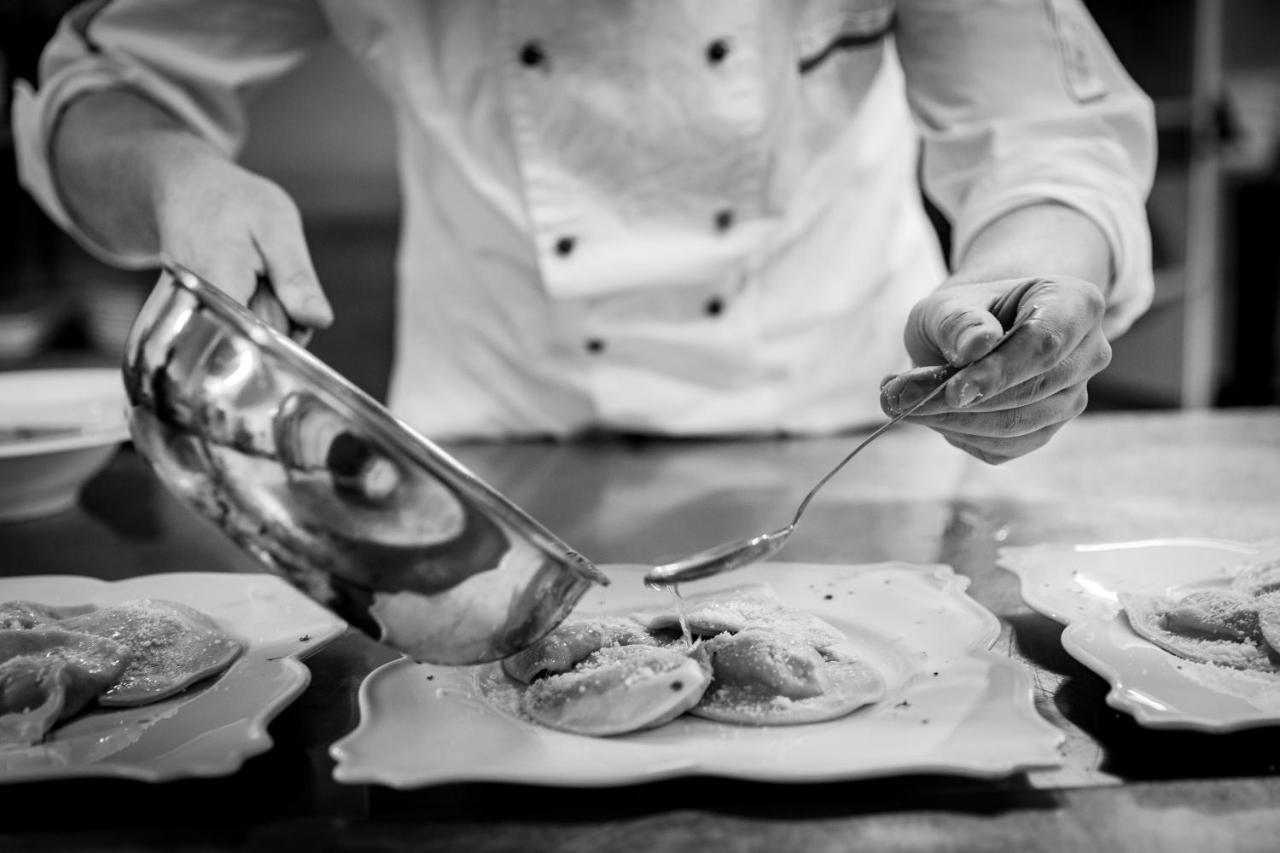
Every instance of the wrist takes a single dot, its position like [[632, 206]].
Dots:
[[1038, 241], [114, 156]]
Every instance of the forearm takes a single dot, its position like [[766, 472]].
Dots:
[[1038, 240], [110, 154]]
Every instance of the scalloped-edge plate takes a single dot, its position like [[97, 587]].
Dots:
[[1077, 585], [58, 428], [952, 705], [208, 730]]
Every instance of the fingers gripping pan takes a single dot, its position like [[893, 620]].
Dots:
[[324, 486]]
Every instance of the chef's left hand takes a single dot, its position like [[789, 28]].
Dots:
[[1013, 400]]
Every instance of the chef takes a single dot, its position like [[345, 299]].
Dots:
[[681, 218]]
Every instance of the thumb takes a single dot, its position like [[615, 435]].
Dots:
[[960, 323], [952, 329], [292, 277]]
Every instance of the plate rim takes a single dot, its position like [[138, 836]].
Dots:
[[1119, 690], [93, 436], [1119, 693], [1005, 554], [257, 738], [349, 768]]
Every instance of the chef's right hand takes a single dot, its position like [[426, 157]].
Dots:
[[244, 234], [142, 183]]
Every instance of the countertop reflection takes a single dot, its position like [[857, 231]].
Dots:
[[909, 497]]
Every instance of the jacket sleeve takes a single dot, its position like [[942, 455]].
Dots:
[[197, 59], [1021, 102]]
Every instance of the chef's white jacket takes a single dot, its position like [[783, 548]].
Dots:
[[693, 217]]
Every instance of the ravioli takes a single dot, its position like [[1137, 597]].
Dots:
[[173, 647], [752, 661], [618, 689], [1218, 626], [16, 615], [1233, 622], [57, 659], [47, 674], [1258, 579], [764, 677], [1269, 619], [737, 609], [571, 642]]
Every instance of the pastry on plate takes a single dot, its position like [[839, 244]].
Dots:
[[736, 609], [57, 660], [1269, 619], [50, 674], [20, 615], [173, 647], [571, 642], [618, 689], [765, 677], [736, 656], [1258, 578], [1214, 625]]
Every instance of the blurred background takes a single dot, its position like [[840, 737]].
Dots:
[[324, 134]]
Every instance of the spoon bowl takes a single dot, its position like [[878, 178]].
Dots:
[[720, 558]]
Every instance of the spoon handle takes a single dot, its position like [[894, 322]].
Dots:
[[946, 372], [951, 371], [731, 555]]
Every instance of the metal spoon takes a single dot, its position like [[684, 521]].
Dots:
[[741, 552]]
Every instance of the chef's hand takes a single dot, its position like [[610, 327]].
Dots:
[[142, 183], [244, 234], [1013, 400]]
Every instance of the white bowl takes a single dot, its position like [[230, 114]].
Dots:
[[57, 429]]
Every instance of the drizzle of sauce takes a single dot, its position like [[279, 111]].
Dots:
[[678, 601]]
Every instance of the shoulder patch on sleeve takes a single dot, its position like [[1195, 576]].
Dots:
[[1075, 51]]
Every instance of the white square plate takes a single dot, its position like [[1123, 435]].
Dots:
[[207, 730], [952, 706], [1077, 585]]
